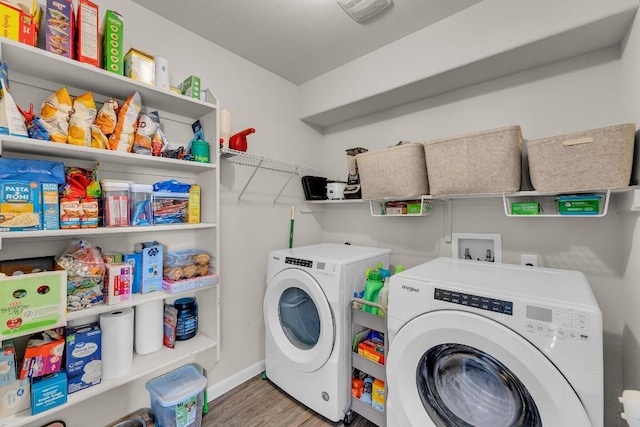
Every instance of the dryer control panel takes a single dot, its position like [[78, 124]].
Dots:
[[476, 301], [320, 267], [299, 262], [561, 323]]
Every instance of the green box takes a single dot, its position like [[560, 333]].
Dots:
[[579, 205], [525, 208], [191, 87], [418, 208], [112, 46]]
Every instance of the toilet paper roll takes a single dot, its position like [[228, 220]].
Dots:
[[117, 343], [225, 127], [162, 72], [149, 320]]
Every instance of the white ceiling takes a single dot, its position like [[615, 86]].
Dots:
[[300, 39]]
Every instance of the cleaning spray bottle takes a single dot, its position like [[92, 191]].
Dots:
[[372, 289]]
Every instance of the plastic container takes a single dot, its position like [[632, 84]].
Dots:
[[185, 258], [116, 203], [177, 397], [169, 207], [141, 198], [187, 325]]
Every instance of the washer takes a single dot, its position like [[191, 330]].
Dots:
[[482, 344], [307, 319]]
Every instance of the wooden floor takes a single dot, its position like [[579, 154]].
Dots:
[[259, 402]]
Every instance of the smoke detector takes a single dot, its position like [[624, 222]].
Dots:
[[361, 10]]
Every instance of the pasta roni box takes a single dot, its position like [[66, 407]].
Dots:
[[20, 206]]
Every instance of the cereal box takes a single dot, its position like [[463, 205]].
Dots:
[[19, 206], [117, 283], [87, 44], [112, 48], [193, 205], [20, 23], [59, 22]]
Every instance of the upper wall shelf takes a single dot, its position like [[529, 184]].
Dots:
[[38, 63], [260, 162]]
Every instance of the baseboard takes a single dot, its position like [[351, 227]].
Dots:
[[229, 383]]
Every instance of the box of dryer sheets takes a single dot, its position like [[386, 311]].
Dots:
[[20, 207], [83, 354], [191, 87], [88, 41], [112, 44], [60, 27]]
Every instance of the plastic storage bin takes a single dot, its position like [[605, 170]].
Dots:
[[395, 172], [177, 397], [169, 207], [589, 160], [116, 203], [484, 162], [141, 199]]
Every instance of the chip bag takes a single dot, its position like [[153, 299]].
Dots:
[[55, 113], [98, 139], [84, 113], [107, 117], [123, 136], [145, 130]]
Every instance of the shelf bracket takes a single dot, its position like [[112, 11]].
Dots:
[[255, 170], [291, 175], [447, 220]]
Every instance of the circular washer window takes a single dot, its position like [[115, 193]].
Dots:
[[462, 386], [299, 318]]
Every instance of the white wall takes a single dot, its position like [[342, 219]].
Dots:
[[575, 94]]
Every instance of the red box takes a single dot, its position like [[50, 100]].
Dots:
[[59, 21], [18, 25], [87, 41]]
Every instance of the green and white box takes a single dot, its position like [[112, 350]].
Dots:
[[191, 87], [112, 46]]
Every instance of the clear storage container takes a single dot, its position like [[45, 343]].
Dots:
[[141, 199], [116, 203], [169, 207]]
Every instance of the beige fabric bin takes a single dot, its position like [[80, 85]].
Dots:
[[589, 160], [484, 162], [395, 172]]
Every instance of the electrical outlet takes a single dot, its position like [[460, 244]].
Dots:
[[529, 260]]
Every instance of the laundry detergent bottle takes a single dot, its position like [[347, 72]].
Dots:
[[383, 295], [372, 289]]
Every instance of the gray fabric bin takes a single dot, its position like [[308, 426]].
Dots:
[[484, 162], [395, 172], [588, 160]]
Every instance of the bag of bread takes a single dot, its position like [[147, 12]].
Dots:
[[84, 113], [122, 138], [55, 113], [107, 117]]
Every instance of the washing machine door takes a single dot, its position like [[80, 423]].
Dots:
[[299, 319], [451, 368]]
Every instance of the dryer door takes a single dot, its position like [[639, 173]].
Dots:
[[453, 368], [299, 319]]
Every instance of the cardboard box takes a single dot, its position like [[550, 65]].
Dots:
[[87, 43], [50, 207], [69, 213], [191, 87], [32, 302], [135, 261], [579, 205], [43, 354], [83, 353], [140, 66], [60, 30], [48, 392], [117, 283], [525, 208], [15, 397], [193, 205], [112, 39], [19, 24], [19, 206], [151, 274], [28, 265], [7, 363]]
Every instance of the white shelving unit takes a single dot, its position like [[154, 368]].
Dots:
[[34, 70], [257, 162]]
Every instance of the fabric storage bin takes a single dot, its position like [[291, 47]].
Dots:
[[483, 162], [395, 172], [588, 160]]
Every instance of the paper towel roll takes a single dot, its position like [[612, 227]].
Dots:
[[225, 127], [149, 321], [117, 343], [162, 72]]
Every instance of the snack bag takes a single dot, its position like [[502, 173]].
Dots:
[[144, 133], [85, 274], [11, 121], [98, 140], [84, 113], [122, 138], [159, 143], [107, 116], [55, 113], [35, 126]]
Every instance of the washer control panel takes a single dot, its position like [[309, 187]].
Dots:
[[560, 323], [476, 301], [298, 262], [320, 267]]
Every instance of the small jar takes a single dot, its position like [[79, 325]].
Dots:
[[187, 322], [141, 196], [116, 203]]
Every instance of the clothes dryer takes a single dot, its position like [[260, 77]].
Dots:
[[307, 320], [482, 344]]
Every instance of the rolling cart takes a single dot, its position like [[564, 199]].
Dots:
[[364, 319]]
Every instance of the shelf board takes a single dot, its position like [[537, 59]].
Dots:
[[136, 299], [142, 365], [66, 151], [34, 62]]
